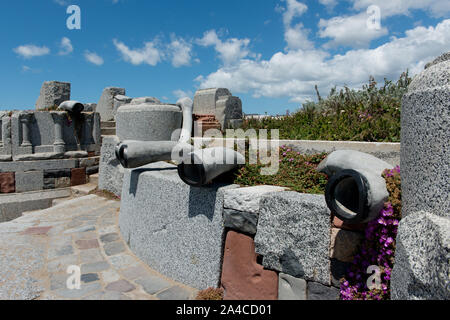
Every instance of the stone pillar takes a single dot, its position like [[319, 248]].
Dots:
[[421, 269], [59, 146], [25, 121], [87, 139]]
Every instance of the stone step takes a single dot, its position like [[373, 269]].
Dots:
[[93, 178], [83, 190], [12, 205], [108, 131], [107, 124]]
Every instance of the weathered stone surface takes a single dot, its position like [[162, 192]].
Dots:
[[175, 293], [87, 244], [29, 181], [153, 284], [49, 183], [78, 176], [39, 156], [7, 182], [344, 244], [338, 271], [241, 221], [147, 100], [42, 165], [110, 170], [176, 231], [119, 101], [114, 248], [105, 105], [94, 267], [422, 257], [110, 237], [58, 173], [247, 199], [120, 286], [53, 93], [293, 235], [148, 122], [317, 291], [89, 277], [425, 136], [90, 107], [242, 277], [63, 182], [291, 288]]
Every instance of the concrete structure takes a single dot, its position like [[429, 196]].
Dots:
[[178, 230], [421, 269], [219, 102], [52, 94]]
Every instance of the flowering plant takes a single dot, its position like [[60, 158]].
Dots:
[[377, 249]]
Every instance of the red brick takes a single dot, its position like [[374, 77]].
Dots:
[[7, 182], [87, 244], [242, 277], [78, 176], [338, 223], [37, 231]]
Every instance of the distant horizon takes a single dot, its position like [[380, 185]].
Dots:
[[270, 54]]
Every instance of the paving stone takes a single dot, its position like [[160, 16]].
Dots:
[[110, 275], [91, 255], [153, 284], [107, 229], [58, 252], [89, 277], [81, 229], [94, 267], [242, 277], [78, 176], [87, 244], [122, 261], [110, 237], [134, 272], [114, 248], [120, 286], [90, 235], [7, 182], [175, 293], [37, 231], [85, 289], [58, 281], [317, 291], [61, 264]]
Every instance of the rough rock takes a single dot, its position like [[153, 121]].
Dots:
[[106, 104], [53, 93], [110, 169]]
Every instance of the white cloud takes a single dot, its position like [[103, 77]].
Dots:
[[182, 94], [180, 52], [230, 50], [438, 8], [294, 74], [29, 51], [149, 54], [293, 9], [65, 46], [350, 31], [93, 58], [297, 38], [329, 3], [61, 2]]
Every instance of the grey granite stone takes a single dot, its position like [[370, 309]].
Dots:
[[94, 267], [317, 291], [90, 107], [148, 100], [53, 93], [105, 106], [29, 181], [175, 293], [293, 235], [41, 165], [120, 100], [110, 237], [291, 288], [110, 170], [153, 284], [114, 248], [245, 222], [422, 258], [89, 277], [425, 147], [148, 122], [247, 199], [178, 230]]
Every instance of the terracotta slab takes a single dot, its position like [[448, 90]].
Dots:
[[7, 182], [242, 277], [78, 176]]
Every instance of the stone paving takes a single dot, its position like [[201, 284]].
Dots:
[[37, 248]]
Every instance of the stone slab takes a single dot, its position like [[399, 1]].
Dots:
[[53, 93], [29, 181], [242, 277], [245, 222], [7, 182], [291, 288], [317, 291], [247, 199], [43, 165], [178, 230], [293, 235], [110, 170], [78, 176]]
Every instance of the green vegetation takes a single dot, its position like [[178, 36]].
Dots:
[[296, 171], [370, 114]]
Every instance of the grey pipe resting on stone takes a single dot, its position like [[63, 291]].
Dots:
[[356, 190], [72, 106]]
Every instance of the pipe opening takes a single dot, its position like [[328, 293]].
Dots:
[[192, 174], [346, 196]]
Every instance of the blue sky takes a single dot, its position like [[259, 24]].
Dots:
[[270, 53]]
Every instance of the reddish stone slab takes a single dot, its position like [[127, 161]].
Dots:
[[37, 231], [87, 244], [78, 176], [120, 286], [242, 277], [7, 182], [338, 223]]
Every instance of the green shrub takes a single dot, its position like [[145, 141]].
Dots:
[[296, 171], [370, 114]]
